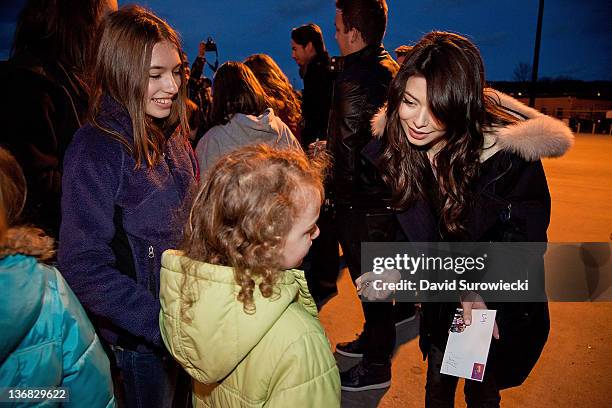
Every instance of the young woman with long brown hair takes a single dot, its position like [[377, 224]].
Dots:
[[464, 165], [126, 176], [281, 95], [241, 115]]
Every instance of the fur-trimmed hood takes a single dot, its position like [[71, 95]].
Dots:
[[536, 137]]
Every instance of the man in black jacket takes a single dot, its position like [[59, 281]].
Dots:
[[362, 200], [321, 265], [308, 51]]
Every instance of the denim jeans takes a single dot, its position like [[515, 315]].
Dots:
[[143, 379]]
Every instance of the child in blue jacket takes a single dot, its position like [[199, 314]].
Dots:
[[46, 339]]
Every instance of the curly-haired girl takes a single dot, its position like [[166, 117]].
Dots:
[[234, 313]]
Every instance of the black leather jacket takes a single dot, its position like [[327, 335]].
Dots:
[[360, 90]]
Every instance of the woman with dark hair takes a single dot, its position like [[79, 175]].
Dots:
[[240, 116], [127, 174], [458, 156], [281, 95], [46, 82], [46, 339]]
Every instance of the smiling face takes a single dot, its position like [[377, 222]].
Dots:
[[164, 80], [304, 229], [419, 125]]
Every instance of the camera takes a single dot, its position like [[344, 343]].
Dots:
[[210, 45]]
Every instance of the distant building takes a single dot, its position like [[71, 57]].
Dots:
[[585, 106]]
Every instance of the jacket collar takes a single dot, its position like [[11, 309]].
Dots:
[[116, 116], [319, 59], [366, 53]]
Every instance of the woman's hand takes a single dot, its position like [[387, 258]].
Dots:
[[474, 301]]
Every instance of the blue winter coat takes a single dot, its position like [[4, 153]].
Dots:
[[46, 339], [116, 222]]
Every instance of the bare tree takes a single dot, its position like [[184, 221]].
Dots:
[[522, 72]]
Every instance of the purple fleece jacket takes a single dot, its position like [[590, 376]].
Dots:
[[99, 179]]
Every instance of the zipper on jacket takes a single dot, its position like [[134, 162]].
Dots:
[[506, 171], [506, 214], [152, 280]]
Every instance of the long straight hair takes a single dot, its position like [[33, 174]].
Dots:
[[122, 72], [236, 90], [454, 71]]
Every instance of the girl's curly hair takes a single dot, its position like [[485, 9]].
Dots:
[[244, 211]]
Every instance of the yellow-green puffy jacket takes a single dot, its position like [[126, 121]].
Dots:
[[277, 357]]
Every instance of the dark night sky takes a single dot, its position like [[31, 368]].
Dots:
[[576, 34]]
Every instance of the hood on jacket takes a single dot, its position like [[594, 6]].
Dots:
[[215, 334], [535, 137], [265, 126], [21, 302]]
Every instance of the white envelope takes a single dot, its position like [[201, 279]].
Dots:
[[466, 352]]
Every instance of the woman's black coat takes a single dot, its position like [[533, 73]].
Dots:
[[510, 203]]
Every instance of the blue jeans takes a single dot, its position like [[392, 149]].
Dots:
[[144, 379]]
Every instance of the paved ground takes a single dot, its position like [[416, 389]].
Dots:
[[575, 367]]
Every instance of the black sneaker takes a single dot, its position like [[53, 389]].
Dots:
[[366, 376], [352, 348]]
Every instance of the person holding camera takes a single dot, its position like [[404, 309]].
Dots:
[[199, 90], [241, 116]]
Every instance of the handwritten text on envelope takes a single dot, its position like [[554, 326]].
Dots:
[[466, 352]]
